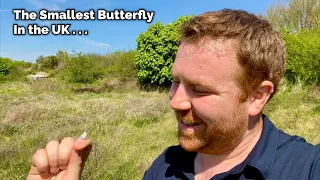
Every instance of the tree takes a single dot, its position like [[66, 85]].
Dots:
[[299, 24], [156, 52], [303, 58], [294, 15]]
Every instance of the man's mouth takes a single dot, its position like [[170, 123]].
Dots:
[[188, 123]]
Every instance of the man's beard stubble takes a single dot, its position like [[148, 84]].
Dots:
[[221, 136]]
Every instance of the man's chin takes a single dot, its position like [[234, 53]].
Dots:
[[191, 144], [195, 144]]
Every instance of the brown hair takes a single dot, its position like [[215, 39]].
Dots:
[[261, 51]]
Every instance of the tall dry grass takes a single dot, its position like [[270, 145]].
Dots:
[[117, 122]]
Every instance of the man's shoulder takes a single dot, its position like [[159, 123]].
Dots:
[[295, 155], [278, 154], [296, 145], [287, 145]]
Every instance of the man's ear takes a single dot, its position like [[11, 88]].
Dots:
[[260, 97]]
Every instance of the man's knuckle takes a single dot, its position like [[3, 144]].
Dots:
[[52, 143], [37, 154], [68, 139]]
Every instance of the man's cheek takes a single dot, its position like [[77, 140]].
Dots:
[[208, 110]]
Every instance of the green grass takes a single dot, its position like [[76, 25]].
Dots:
[[129, 127], [118, 123], [295, 110]]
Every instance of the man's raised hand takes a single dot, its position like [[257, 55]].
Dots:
[[60, 161]]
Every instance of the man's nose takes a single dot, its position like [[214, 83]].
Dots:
[[179, 98]]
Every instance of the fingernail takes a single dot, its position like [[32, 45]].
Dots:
[[54, 170], [83, 136]]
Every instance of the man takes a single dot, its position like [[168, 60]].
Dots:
[[227, 68]]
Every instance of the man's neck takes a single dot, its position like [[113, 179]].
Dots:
[[208, 165]]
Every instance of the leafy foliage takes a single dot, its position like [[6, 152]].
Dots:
[[121, 64], [47, 63], [82, 69], [299, 23], [13, 70], [22, 64], [51, 64], [303, 58], [156, 51], [5, 66]]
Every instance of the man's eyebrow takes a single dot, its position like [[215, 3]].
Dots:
[[195, 82], [192, 81]]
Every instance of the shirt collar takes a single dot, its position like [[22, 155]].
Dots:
[[263, 154]]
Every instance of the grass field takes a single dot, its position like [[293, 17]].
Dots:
[[129, 127]]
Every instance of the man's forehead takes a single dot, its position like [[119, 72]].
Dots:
[[207, 46], [208, 53], [210, 60]]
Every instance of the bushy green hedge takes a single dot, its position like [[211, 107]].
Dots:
[[81, 68], [47, 63], [12, 70], [5, 66], [51, 64], [303, 57], [121, 64], [156, 51]]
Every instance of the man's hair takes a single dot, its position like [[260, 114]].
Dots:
[[261, 51]]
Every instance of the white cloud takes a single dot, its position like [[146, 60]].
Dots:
[[102, 44], [91, 42], [42, 5]]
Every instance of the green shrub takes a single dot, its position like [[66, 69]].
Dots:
[[3, 78], [5, 66], [121, 64], [303, 58], [52, 63], [103, 60], [82, 69], [156, 51], [22, 64], [13, 70], [47, 63], [17, 73]]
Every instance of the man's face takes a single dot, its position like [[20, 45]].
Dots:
[[205, 97]]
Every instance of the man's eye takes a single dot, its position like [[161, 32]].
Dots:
[[201, 92]]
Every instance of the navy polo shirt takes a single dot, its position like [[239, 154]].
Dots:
[[277, 155]]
